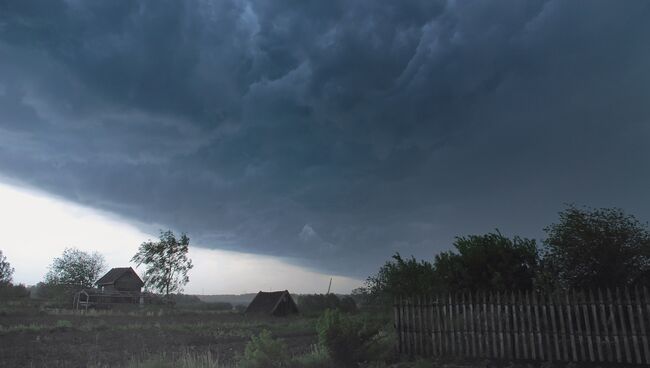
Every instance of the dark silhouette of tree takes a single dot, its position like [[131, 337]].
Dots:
[[76, 268], [166, 262], [488, 262], [401, 276], [591, 248], [6, 271]]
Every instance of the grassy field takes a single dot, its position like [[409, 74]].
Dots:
[[33, 336]]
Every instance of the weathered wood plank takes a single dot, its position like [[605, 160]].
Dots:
[[524, 330], [531, 327], [515, 327], [642, 322], [554, 331], [613, 323], [578, 324], [563, 329], [623, 325], [486, 335], [630, 315], [609, 350], [472, 322], [587, 333], [546, 332], [596, 330], [569, 313], [508, 331], [538, 330]]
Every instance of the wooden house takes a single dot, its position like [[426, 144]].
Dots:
[[120, 279], [274, 303]]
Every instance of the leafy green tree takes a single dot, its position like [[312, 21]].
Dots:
[[401, 276], [76, 268], [488, 262], [166, 262], [6, 271], [591, 248]]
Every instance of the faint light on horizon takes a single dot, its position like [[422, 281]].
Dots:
[[38, 227]]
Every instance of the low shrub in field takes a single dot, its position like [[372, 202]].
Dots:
[[344, 338], [263, 351], [350, 340], [316, 358], [186, 359]]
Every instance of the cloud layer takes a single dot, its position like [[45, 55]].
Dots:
[[331, 133]]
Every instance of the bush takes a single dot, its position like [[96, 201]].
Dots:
[[263, 351], [347, 340], [10, 291]]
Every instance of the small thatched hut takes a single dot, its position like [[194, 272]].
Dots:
[[275, 303]]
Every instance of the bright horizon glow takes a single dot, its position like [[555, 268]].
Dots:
[[38, 227]]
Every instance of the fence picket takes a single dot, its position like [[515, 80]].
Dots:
[[538, 332], [569, 313], [544, 326], [472, 325], [563, 330], [631, 319], [546, 333], [522, 323], [554, 333], [612, 320], [587, 333], [596, 337], [578, 325], [644, 337], [624, 335], [609, 351], [515, 328], [508, 331]]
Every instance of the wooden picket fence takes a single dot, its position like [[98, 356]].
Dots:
[[580, 326]]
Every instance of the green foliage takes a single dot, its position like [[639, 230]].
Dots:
[[263, 351], [348, 340], [10, 291], [166, 262], [316, 358], [76, 268], [318, 303], [488, 262], [401, 277], [590, 248], [6, 271]]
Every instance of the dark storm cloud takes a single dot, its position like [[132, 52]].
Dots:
[[332, 133]]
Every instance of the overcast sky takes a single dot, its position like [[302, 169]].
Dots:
[[327, 134]]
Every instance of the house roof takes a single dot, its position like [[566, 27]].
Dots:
[[115, 273], [268, 302]]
